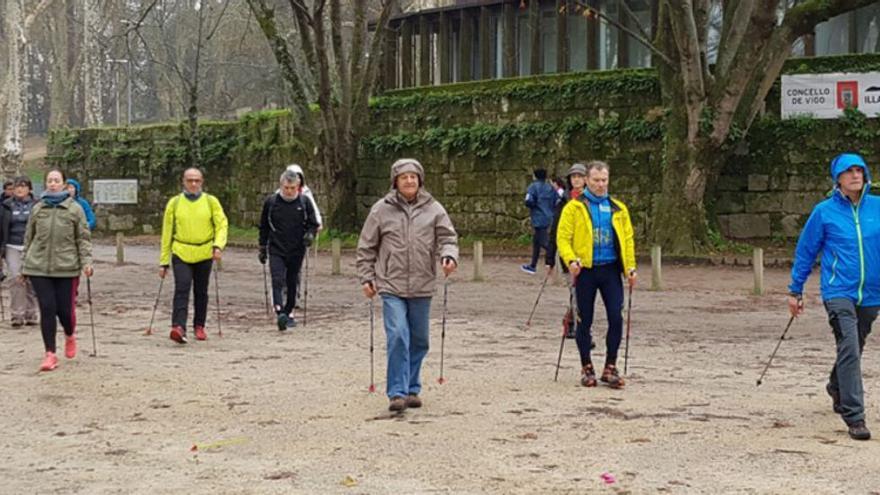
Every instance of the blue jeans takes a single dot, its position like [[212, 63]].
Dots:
[[851, 325], [406, 331], [606, 280]]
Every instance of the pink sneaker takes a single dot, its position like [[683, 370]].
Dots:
[[49, 362], [200, 333], [70, 347]]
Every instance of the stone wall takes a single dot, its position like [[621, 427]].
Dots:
[[479, 142]]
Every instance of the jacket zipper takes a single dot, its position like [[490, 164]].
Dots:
[[833, 270], [855, 212], [51, 237]]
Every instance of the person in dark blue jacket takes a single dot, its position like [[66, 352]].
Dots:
[[74, 189], [845, 230], [541, 198]]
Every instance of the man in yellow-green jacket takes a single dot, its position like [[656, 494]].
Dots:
[[193, 236], [595, 240]]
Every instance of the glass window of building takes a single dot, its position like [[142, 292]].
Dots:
[[523, 45], [638, 54], [577, 41], [868, 29], [608, 36], [832, 36]]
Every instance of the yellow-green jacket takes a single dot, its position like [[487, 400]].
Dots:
[[574, 236], [192, 229]]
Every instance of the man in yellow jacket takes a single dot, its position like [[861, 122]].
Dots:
[[193, 236], [595, 239]]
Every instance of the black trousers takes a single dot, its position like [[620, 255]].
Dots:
[[285, 275], [186, 276], [539, 241], [55, 297]]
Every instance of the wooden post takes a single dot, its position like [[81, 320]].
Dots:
[[478, 261], [443, 37], [656, 275], [535, 63], [336, 248], [508, 32], [485, 46], [465, 46], [424, 51], [391, 58], [406, 53], [120, 248], [758, 265], [562, 14]]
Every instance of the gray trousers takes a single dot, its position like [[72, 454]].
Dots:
[[851, 325], [22, 299]]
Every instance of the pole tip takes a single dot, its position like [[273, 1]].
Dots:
[[758, 384], [372, 388], [441, 380]]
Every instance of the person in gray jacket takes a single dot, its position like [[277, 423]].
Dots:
[[402, 238]]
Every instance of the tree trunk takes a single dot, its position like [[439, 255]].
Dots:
[[11, 154], [94, 60]]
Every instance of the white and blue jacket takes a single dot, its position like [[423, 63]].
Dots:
[[848, 237]]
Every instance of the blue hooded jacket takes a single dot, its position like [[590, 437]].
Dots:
[[541, 198], [87, 208], [848, 237]]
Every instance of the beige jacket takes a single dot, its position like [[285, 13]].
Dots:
[[401, 243]]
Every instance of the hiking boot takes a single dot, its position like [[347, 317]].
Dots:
[[177, 334], [528, 269], [291, 321], [16, 322], [282, 322], [200, 333], [31, 321], [612, 377], [413, 401], [588, 376], [70, 347], [51, 361], [835, 398], [858, 431], [397, 404]]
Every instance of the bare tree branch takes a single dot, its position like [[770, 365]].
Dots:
[[590, 11]]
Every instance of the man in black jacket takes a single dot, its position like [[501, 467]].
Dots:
[[287, 228]]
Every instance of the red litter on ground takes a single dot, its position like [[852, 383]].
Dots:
[[608, 478]]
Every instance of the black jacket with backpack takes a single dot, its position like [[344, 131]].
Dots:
[[284, 224]]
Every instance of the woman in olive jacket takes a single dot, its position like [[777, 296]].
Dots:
[[57, 245]]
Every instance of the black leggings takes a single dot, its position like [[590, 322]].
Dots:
[[186, 276], [55, 296]]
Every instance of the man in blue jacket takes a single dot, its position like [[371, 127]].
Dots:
[[541, 198], [845, 229]]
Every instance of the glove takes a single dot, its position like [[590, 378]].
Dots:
[[262, 256], [308, 239]]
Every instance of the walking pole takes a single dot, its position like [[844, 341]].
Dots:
[[571, 303], [155, 305], [541, 291], [629, 304], [217, 292], [781, 338], [442, 380], [266, 291], [91, 316], [372, 382], [306, 292]]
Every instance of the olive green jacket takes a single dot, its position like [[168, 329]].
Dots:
[[57, 241]]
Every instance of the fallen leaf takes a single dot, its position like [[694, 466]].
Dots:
[[349, 482]]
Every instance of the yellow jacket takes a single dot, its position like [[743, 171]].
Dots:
[[574, 236], [192, 229]]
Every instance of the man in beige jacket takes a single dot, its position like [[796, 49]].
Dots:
[[402, 238]]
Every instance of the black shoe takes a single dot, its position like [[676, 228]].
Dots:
[[835, 398], [858, 431], [282, 322], [291, 322]]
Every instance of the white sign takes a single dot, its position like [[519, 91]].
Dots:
[[825, 96], [115, 191]]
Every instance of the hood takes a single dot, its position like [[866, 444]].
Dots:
[[844, 161], [75, 185], [293, 167], [404, 165]]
